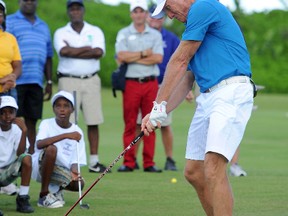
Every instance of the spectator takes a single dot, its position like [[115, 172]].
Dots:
[[170, 43], [14, 161], [10, 70], [34, 39], [80, 46], [10, 58], [55, 159], [213, 47], [141, 48]]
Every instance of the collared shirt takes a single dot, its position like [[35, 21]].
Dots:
[[34, 40], [223, 52], [89, 36], [129, 39]]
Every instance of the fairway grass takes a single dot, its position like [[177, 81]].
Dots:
[[263, 154]]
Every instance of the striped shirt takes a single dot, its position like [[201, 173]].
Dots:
[[34, 40]]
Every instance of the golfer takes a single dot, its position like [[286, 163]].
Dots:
[[213, 47]]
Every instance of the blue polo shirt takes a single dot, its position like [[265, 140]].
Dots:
[[35, 45], [223, 52], [170, 44]]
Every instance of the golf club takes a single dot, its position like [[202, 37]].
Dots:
[[83, 206], [107, 170]]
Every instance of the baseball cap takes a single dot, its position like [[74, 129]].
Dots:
[[2, 3], [8, 101], [63, 94], [138, 3], [70, 2], [158, 12], [152, 9]]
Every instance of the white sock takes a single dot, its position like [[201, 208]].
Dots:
[[94, 159], [24, 190]]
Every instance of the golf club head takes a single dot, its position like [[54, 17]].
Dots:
[[84, 206]]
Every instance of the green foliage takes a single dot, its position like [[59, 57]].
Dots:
[[266, 35]]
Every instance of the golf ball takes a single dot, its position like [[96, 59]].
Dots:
[[173, 180]]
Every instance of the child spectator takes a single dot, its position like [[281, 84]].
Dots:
[[55, 158], [14, 161]]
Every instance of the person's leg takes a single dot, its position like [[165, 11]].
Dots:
[[46, 199], [215, 171], [235, 168], [167, 139], [47, 167], [93, 137], [31, 131], [22, 200], [194, 174]]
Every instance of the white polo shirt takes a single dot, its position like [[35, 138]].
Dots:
[[89, 36]]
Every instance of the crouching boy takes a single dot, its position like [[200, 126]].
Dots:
[[14, 161], [55, 159]]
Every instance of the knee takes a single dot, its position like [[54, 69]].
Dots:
[[27, 162], [51, 151], [192, 175]]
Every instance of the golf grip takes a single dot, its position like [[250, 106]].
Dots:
[[107, 170]]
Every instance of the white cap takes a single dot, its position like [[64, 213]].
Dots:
[[3, 4], [158, 12], [63, 94], [8, 101], [138, 3]]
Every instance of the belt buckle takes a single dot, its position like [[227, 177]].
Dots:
[[141, 79]]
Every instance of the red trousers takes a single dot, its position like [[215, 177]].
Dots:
[[138, 96]]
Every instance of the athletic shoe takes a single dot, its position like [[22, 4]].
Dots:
[[60, 196], [10, 189], [23, 205], [97, 168], [49, 201], [236, 170], [124, 168], [170, 164], [153, 169]]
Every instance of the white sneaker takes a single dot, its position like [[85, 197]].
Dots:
[[60, 196], [236, 170], [49, 201], [10, 189]]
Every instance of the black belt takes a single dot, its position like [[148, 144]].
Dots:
[[59, 75], [142, 79]]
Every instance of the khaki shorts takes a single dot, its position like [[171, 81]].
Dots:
[[61, 175], [10, 173], [88, 97], [167, 122]]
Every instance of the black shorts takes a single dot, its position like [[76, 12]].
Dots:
[[30, 101]]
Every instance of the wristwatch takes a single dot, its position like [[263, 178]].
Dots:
[[49, 82]]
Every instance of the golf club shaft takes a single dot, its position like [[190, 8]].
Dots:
[[78, 165], [107, 170]]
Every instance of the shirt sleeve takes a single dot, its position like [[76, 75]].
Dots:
[[200, 17]]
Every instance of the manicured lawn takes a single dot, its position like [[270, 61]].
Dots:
[[264, 150]]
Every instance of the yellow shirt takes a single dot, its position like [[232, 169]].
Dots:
[[9, 52]]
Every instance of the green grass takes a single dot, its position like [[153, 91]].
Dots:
[[264, 151]]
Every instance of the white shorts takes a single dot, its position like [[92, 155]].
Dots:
[[220, 120], [167, 122]]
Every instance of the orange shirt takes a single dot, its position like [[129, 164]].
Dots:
[[9, 52]]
